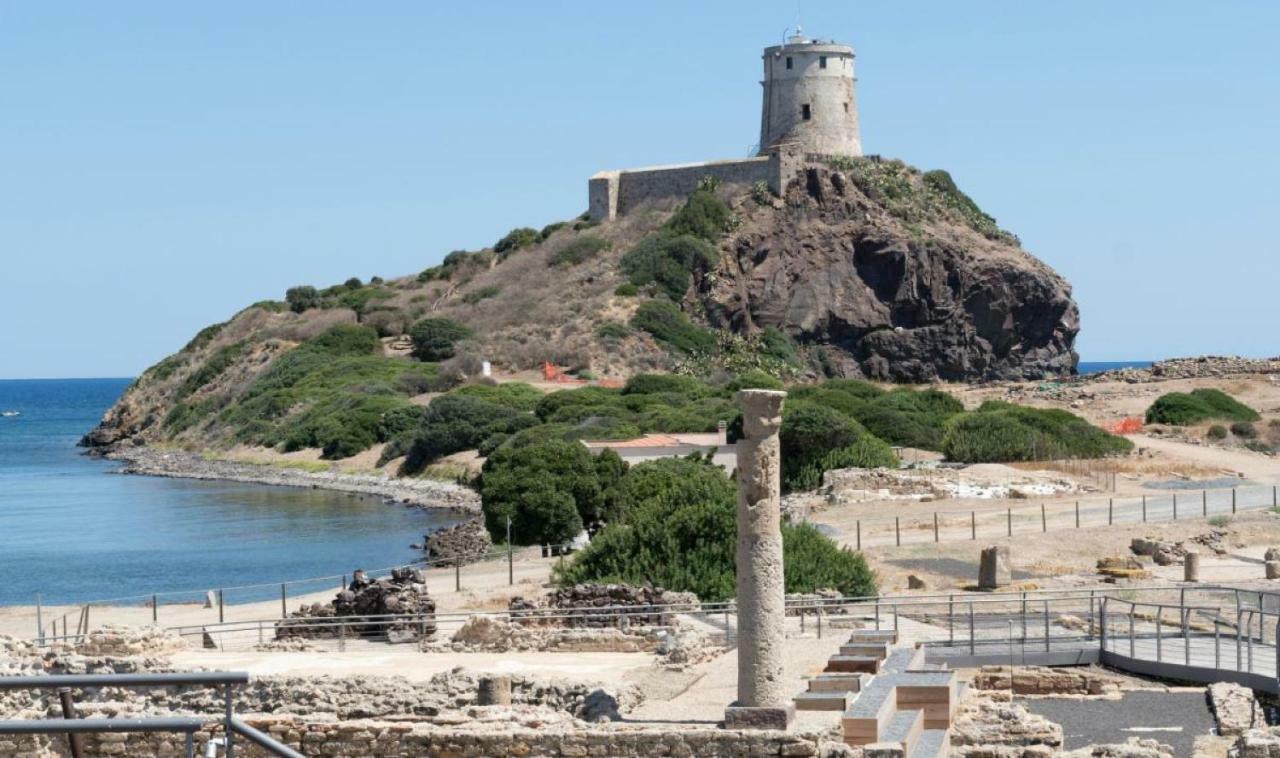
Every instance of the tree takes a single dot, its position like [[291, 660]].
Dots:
[[518, 481], [301, 298], [816, 439], [435, 337]]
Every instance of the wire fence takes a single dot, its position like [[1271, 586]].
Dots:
[[953, 525], [220, 604]]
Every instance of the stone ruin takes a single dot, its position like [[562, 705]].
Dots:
[[403, 593], [461, 543], [1169, 553], [598, 606], [994, 568]]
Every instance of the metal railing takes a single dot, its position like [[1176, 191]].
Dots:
[[65, 683]]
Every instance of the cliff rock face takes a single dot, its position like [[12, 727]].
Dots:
[[895, 284]]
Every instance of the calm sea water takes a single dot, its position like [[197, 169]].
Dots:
[[1093, 367], [73, 531]]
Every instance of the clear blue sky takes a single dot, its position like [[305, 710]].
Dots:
[[164, 164]]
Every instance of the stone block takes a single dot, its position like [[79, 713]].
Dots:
[[994, 570], [1191, 568], [764, 717], [1273, 569]]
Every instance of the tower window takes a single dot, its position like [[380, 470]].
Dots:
[[788, 62], [805, 113], [846, 107], [822, 61]]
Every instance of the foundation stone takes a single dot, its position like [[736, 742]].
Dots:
[[994, 570]]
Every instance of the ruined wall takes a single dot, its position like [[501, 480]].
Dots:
[[365, 738]]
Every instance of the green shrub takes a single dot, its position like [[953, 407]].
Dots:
[[515, 239], [676, 528], [1217, 432], [301, 298], [1258, 446], [777, 345], [1244, 430], [551, 229], [668, 261], [815, 439], [221, 360], [667, 324], [649, 384], [754, 379], [532, 483], [341, 425], [626, 289], [434, 338], [703, 215], [204, 337], [1219, 522], [353, 283], [453, 423], [1185, 409], [612, 330], [1000, 432], [483, 293], [515, 395], [579, 250]]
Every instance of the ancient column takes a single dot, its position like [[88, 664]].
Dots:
[[762, 700], [994, 570]]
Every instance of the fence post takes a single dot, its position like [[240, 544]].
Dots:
[[226, 727], [951, 620], [1159, 634], [1111, 508], [859, 534], [1044, 523], [1273, 505], [1088, 632], [457, 575], [1077, 514], [284, 603], [897, 530], [39, 620], [1102, 628], [1217, 655], [935, 526], [970, 627], [1046, 625], [1233, 499], [155, 609], [1175, 506], [1204, 502], [1144, 509], [973, 525], [221, 605], [511, 575], [1008, 515], [69, 712]]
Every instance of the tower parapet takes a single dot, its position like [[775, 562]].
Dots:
[[810, 98]]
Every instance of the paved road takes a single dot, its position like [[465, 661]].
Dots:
[[1174, 718]]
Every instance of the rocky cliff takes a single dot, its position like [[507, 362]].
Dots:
[[862, 268], [896, 276]]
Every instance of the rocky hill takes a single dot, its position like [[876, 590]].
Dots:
[[862, 268]]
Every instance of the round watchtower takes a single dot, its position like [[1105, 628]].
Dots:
[[810, 98]]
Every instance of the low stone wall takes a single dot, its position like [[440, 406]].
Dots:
[[497, 737], [1042, 680], [616, 193], [461, 543]]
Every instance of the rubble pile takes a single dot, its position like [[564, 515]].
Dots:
[[368, 608], [603, 605], [463, 543]]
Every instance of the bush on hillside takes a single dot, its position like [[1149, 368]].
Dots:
[[650, 384], [665, 322], [301, 298], [703, 215], [816, 439], [1217, 432], [668, 262], [579, 250], [677, 530], [1244, 430], [453, 423], [612, 330], [1185, 409], [626, 289], [515, 395], [481, 293], [434, 338], [515, 239], [999, 432], [211, 369], [755, 379], [551, 229], [532, 483]]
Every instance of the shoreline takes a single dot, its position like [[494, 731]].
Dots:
[[179, 464]]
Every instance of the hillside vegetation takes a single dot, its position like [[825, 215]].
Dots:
[[669, 289]]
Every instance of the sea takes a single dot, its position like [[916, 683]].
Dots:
[[1093, 367], [72, 530]]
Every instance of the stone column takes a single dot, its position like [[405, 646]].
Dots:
[[762, 700], [1191, 567], [994, 570]]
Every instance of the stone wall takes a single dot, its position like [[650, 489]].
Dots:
[[496, 735], [616, 193]]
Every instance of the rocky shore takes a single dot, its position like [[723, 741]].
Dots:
[[424, 493], [1198, 367]]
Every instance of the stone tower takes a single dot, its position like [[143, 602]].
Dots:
[[810, 98]]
